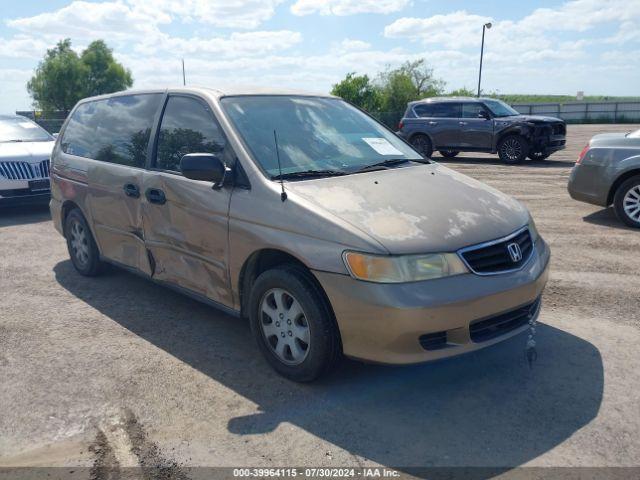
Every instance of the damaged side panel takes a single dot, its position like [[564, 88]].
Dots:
[[187, 235]]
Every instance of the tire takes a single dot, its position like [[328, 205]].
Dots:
[[81, 245], [538, 156], [422, 144], [449, 153], [626, 202], [513, 149], [282, 340]]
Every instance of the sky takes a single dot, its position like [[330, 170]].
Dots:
[[543, 47]]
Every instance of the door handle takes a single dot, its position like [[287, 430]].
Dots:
[[433, 123], [463, 123], [131, 190], [155, 195]]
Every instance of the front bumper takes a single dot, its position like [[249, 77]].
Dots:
[[23, 197], [384, 322], [549, 144]]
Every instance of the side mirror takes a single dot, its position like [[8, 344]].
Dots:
[[484, 114], [204, 166], [55, 135]]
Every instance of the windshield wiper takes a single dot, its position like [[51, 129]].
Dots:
[[13, 141], [390, 162], [308, 174]]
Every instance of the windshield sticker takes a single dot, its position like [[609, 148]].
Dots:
[[26, 125], [382, 146]]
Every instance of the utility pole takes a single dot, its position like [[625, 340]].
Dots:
[[184, 79], [485, 26]]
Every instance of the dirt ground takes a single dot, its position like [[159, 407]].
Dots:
[[117, 371]]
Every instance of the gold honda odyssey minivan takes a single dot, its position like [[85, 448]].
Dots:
[[301, 213]]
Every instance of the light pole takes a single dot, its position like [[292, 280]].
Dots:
[[485, 26]]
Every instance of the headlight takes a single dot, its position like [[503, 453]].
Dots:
[[404, 268]]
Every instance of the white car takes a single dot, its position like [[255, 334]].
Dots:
[[25, 152]]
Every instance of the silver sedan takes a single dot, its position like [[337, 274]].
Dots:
[[607, 172]]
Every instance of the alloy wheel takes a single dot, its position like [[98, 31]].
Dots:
[[284, 326], [79, 243], [511, 149], [631, 203]]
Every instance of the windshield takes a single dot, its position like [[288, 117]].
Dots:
[[635, 134], [20, 129], [313, 134], [500, 109]]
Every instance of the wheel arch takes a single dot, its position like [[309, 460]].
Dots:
[[66, 208], [619, 181], [266, 259], [419, 132]]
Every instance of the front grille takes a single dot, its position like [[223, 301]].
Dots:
[[24, 170], [559, 129], [434, 341], [495, 257], [492, 327]]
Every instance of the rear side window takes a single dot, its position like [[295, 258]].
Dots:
[[114, 130], [438, 110], [473, 110], [188, 126]]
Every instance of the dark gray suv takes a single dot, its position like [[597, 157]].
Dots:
[[461, 124]]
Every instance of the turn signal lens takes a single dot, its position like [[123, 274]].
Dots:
[[582, 154]]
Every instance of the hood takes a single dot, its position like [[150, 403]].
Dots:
[[532, 118], [417, 209], [30, 152]]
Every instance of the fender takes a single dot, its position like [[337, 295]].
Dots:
[[503, 129]]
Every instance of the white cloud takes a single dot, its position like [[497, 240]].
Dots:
[[222, 13], [22, 46], [347, 7]]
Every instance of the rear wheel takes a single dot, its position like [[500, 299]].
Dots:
[[293, 325], [81, 245], [422, 144], [539, 156], [513, 149], [449, 153], [627, 202]]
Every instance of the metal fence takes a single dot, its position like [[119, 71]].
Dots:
[[585, 112], [51, 122]]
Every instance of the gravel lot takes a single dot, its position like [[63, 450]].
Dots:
[[119, 371]]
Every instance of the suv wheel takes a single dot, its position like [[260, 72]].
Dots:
[[293, 325], [513, 149], [81, 245], [627, 202], [449, 153], [422, 144]]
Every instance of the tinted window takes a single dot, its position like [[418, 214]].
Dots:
[[20, 129], [114, 130], [473, 110], [438, 110], [188, 126]]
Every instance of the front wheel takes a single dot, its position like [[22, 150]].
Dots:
[[293, 325], [513, 149], [449, 153], [627, 202], [422, 144]]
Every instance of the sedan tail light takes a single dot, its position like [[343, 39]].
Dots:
[[582, 154], [400, 125]]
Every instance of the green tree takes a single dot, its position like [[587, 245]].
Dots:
[[462, 92], [358, 90], [59, 79], [411, 81], [103, 73], [62, 77]]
